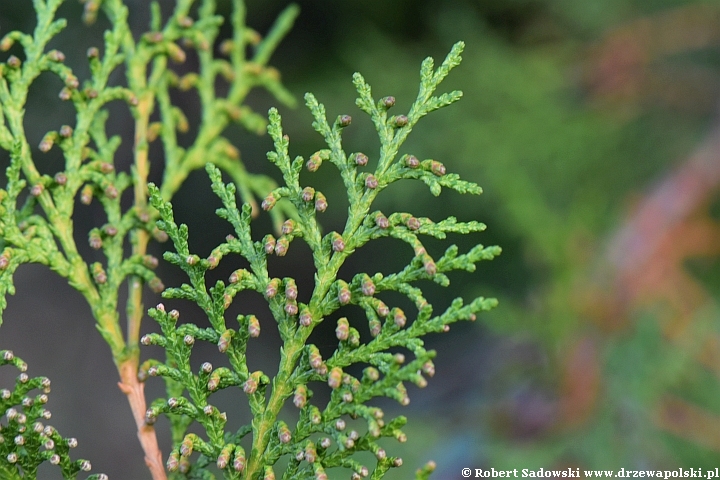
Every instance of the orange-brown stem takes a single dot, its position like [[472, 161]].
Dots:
[[134, 389]]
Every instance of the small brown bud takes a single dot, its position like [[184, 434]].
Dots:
[[361, 159], [250, 385], [371, 182], [412, 223], [176, 53], [429, 264], [305, 317], [93, 52], [99, 274], [56, 56], [288, 226], [314, 163], [284, 433], [344, 121], [437, 168], [399, 317], [428, 368], [338, 245], [314, 357], [343, 329], [310, 453], [111, 192], [253, 326], [371, 373], [238, 275], [269, 202], [335, 377], [46, 144], [159, 235], [300, 397], [72, 82], [281, 246], [382, 221], [320, 202], [375, 327], [107, 167], [308, 193], [6, 43], [66, 131], [86, 195], [14, 62], [227, 300], [224, 341], [412, 161], [65, 94], [60, 178], [156, 285], [388, 102], [272, 288], [37, 190], [291, 291], [400, 121], [95, 240], [344, 295], [368, 287], [269, 244], [239, 462], [150, 261], [291, 307]]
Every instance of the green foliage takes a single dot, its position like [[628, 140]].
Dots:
[[36, 220], [25, 442], [321, 438]]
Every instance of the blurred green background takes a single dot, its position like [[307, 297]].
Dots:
[[593, 129]]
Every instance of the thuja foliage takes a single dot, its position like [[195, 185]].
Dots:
[[25, 441], [37, 209], [37, 225], [387, 342]]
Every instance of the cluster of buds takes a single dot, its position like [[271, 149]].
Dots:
[[25, 432]]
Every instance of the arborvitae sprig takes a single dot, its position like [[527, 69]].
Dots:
[[36, 210], [325, 436], [25, 440]]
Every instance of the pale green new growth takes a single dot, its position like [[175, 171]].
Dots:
[[26, 441], [37, 226], [322, 438], [37, 210]]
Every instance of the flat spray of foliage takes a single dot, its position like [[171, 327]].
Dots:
[[36, 226]]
